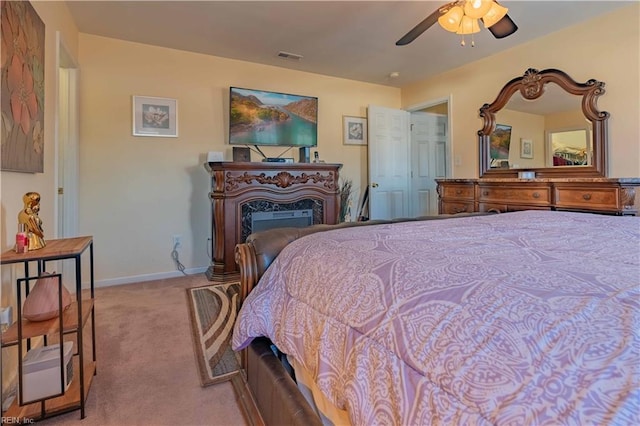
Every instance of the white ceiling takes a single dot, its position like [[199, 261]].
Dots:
[[348, 39]]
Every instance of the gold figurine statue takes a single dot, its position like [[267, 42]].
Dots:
[[32, 222]]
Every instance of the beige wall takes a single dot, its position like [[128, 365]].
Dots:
[[56, 17], [606, 49], [136, 192]]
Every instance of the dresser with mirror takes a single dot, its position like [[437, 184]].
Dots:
[[543, 145]]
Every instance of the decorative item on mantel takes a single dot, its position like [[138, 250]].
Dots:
[[32, 222], [43, 300], [345, 200]]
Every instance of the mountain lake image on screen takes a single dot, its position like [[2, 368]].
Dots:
[[258, 117]]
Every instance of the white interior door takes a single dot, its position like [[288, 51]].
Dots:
[[428, 160], [388, 162]]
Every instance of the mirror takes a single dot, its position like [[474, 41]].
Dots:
[[545, 122]]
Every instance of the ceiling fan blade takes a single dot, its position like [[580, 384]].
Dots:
[[503, 28], [422, 26]]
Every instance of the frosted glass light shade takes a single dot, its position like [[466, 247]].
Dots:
[[450, 21], [468, 26], [494, 14], [476, 9]]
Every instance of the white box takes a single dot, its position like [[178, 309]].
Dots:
[[41, 371], [213, 156], [527, 175]]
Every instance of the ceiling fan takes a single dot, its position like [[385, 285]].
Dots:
[[461, 17]]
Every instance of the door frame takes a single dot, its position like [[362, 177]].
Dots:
[[66, 146], [448, 147], [449, 163]]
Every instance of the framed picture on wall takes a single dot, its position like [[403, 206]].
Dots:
[[22, 86], [526, 148], [354, 130], [155, 117]]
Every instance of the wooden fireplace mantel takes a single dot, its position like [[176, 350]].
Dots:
[[238, 184]]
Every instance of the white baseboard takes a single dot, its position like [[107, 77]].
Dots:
[[145, 277]]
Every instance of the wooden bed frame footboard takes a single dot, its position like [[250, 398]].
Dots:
[[274, 392]]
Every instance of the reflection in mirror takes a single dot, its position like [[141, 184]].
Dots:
[[553, 126], [534, 120], [569, 147], [500, 146]]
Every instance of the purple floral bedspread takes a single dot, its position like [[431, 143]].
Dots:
[[525, 318]]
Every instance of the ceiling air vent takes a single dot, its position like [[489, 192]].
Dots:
[[290, 56]]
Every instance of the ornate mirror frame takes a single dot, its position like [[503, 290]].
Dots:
[[531, 86]]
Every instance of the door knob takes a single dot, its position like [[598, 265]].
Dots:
[[374, 185]]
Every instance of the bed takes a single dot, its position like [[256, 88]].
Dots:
[[528, 317]]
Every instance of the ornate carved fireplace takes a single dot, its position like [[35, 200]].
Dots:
[[238, 190]]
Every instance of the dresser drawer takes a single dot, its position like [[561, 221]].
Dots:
[[504, 208], [457, 191], [447, 207], [540, 195], [593, 198], [492, 207]]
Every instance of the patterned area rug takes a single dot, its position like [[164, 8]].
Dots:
[[213, 310]]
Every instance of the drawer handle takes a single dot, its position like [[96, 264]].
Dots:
[[462, 210], [458, 191], [536, 195], [485, 193], [587, 197]]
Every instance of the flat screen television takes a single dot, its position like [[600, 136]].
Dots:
[[258, 117]]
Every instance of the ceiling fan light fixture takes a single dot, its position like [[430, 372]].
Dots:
[[468, 26], [476, 9], [496, 13], [450, 17], [450, 21]]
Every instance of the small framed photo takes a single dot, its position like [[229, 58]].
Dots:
[[241, 154], [155, 117], [526, 148], [354, 130]]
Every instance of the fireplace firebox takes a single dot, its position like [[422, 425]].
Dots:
[[261, 221]]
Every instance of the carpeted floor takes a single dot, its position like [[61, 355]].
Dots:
[[147, 371]]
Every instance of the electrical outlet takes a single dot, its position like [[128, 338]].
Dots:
[[6, 316], [177, 241]]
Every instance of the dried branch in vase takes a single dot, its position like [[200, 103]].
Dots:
[[345, 199]]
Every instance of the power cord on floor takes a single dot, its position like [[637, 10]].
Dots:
[[174, 256]]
